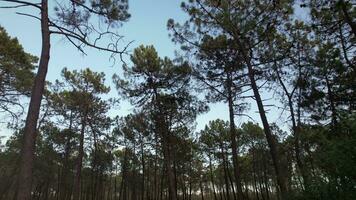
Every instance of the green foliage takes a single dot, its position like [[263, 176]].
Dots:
[[309, 66], [16, 73], [336, 158], [78, 13]]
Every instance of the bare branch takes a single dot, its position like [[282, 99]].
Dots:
[[23, 4], [84, 40], [28, 15]]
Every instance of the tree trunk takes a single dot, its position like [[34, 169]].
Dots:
[[77, 181], [212, 178], [155, 182], [231, 181], [201, 190], [226, 178], [115, 183], [332, 102], [295, 129], [233, 136], [161, 184], [254, 171], [162, 129], [265, 178], [143, 169], [175, 177], [148, 185], [170, 173], [63, 193], [27, 153], [272, 143]]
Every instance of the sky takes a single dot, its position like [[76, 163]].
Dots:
[[146, 26]]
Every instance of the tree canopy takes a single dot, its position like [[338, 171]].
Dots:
[[249, 56]]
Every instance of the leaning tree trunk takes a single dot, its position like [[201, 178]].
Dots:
[[27, 153], [272, 143]]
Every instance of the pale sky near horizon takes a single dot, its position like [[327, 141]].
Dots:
[[147, 26]]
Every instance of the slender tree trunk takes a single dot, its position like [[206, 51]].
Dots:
[[254, 173], [134, 175], [161, 184], [28, 149], [231, 181], [265, 178], [221, 192], [212, 178], [59, 175], [77, 180], [332, 102], [124, 176], [143, 169], [93, 177], [344, 49], [295, 129], [234, 137], [175, 177], [121, 193], [272, 143], [170, 173], [115, 183], [298, 155], [201, 190], [155, 182], [46, 192], [225, 172], [65, 171], [163, 130], [109, 187], [148, 185], [190, 189]]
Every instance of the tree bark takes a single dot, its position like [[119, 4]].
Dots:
[[27, 153]]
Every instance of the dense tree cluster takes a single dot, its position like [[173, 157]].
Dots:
[[232, 51]]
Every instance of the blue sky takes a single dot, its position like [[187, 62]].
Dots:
[[146, 26]]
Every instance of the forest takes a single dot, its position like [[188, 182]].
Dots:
[[65, 143]]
